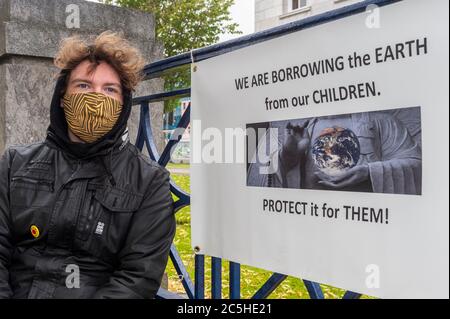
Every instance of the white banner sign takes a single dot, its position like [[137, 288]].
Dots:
[[324, 154]]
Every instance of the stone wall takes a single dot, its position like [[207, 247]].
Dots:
[[30, 32]]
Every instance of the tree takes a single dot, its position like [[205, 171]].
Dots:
[[184, 25]]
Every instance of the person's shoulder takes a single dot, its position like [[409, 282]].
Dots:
[[24, 150], [145, 162]]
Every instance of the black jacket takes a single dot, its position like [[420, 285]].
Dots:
[[102, 210]]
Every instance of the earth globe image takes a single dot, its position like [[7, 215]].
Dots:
[[336, 150]]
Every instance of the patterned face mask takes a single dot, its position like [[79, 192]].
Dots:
[[91, 116]]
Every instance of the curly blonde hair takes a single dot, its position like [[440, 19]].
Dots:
[[109, 47]]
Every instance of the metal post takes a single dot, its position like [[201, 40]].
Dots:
[[351, 295], [314, 289], [274, 281], [235, 280], [216, 278], [199, 277]]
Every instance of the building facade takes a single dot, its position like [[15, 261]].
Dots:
[[272, 13]]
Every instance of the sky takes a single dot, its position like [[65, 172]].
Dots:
[[242, 12]]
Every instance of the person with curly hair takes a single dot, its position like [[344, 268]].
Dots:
[[84, 214]]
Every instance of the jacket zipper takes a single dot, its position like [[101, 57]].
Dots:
[[79, 215], [58, 193], [91, 206], [87, 230]]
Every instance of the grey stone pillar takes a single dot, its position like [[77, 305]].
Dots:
[[30, 32]]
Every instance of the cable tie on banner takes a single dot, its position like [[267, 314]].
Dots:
[[194, 67]]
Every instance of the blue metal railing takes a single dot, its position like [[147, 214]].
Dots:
[[196, 289]]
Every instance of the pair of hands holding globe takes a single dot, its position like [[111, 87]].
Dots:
[[296, 146]]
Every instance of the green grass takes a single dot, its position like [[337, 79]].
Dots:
[[181, 165], [251, 278]]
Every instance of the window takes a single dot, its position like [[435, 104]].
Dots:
[[296, 8], [297, 4]]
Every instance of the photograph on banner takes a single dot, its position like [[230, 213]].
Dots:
[[378, 152]]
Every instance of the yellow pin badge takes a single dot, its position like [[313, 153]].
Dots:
[[34, 231]]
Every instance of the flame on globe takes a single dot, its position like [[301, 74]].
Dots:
[[336, 150]]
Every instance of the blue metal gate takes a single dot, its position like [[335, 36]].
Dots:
[[196, 289]]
